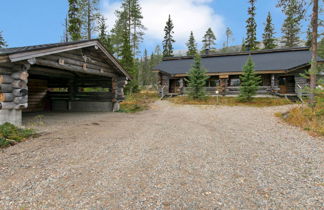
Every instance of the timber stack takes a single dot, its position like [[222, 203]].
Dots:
[[13, 87]]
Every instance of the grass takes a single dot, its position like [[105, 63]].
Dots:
[[11, 135], [309, 119], [231, 101], [138, 102]]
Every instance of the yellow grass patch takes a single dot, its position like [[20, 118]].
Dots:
[[138, 102], [231, 101], [310, 119]]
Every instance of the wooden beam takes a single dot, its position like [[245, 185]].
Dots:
[[75, 62], [45, 71], [4, 59], [48, 51], [72, 68]]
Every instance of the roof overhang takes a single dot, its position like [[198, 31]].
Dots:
[[22, 56], [235, 73]]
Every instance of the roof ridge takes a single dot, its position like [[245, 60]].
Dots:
[[239, 53]]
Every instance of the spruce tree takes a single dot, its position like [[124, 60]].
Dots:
[[192, 46], [3, 43], [209, 40], [250, 41], [309, 37], [249, 81], [75, 21], [268, 39], [197, 79], [128, 62], [103, 36], [294, 12], [145, 70], [243, 48], [168, 39]]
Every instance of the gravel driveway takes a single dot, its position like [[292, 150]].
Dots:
[[170, 157]]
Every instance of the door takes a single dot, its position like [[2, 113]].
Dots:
[[287, 84]]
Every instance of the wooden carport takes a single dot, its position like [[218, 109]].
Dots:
[[75, 76]]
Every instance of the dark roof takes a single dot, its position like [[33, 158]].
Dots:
[[8, 51], [265, 60]]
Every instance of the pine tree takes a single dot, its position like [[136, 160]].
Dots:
[[192, 46], [268, 39], [249, 81], [103, 36], [75, 21], [137, 28], [197, 79], [250, 41], [209, 40], [66, 30], [229, 35], [3, 43], [89, 16], [129, 20], [294, 12], [168, 39]]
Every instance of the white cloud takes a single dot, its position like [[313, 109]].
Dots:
[[187, 15]]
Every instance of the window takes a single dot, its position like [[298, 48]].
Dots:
[[235, 82], [212, 83]]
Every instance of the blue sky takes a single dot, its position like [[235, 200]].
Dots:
[[41, 21]]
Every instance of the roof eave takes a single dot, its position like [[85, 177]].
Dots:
[[16, 57]]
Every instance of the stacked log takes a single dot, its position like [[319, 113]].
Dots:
[[120, 85], [13, 88]]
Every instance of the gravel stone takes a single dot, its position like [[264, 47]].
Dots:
[[169, 157]]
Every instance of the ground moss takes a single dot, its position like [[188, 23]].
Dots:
[[10, 134]]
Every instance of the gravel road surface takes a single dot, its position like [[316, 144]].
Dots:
[[170, 157]]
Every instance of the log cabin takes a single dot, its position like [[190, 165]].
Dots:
[[280, 71], [75, 76]]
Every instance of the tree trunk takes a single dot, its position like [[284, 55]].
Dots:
[[313, 71], [89, 20]]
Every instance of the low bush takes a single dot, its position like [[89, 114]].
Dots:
[[138, 102], [309, 119], [11, 135], [231, 101]]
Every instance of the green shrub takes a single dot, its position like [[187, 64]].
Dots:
[[10, 134]]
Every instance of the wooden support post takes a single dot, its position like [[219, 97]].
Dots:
[[272, 81]]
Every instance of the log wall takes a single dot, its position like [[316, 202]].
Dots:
[[13, 86]]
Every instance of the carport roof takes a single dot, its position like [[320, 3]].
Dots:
[[28, 52], [265, 60]]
